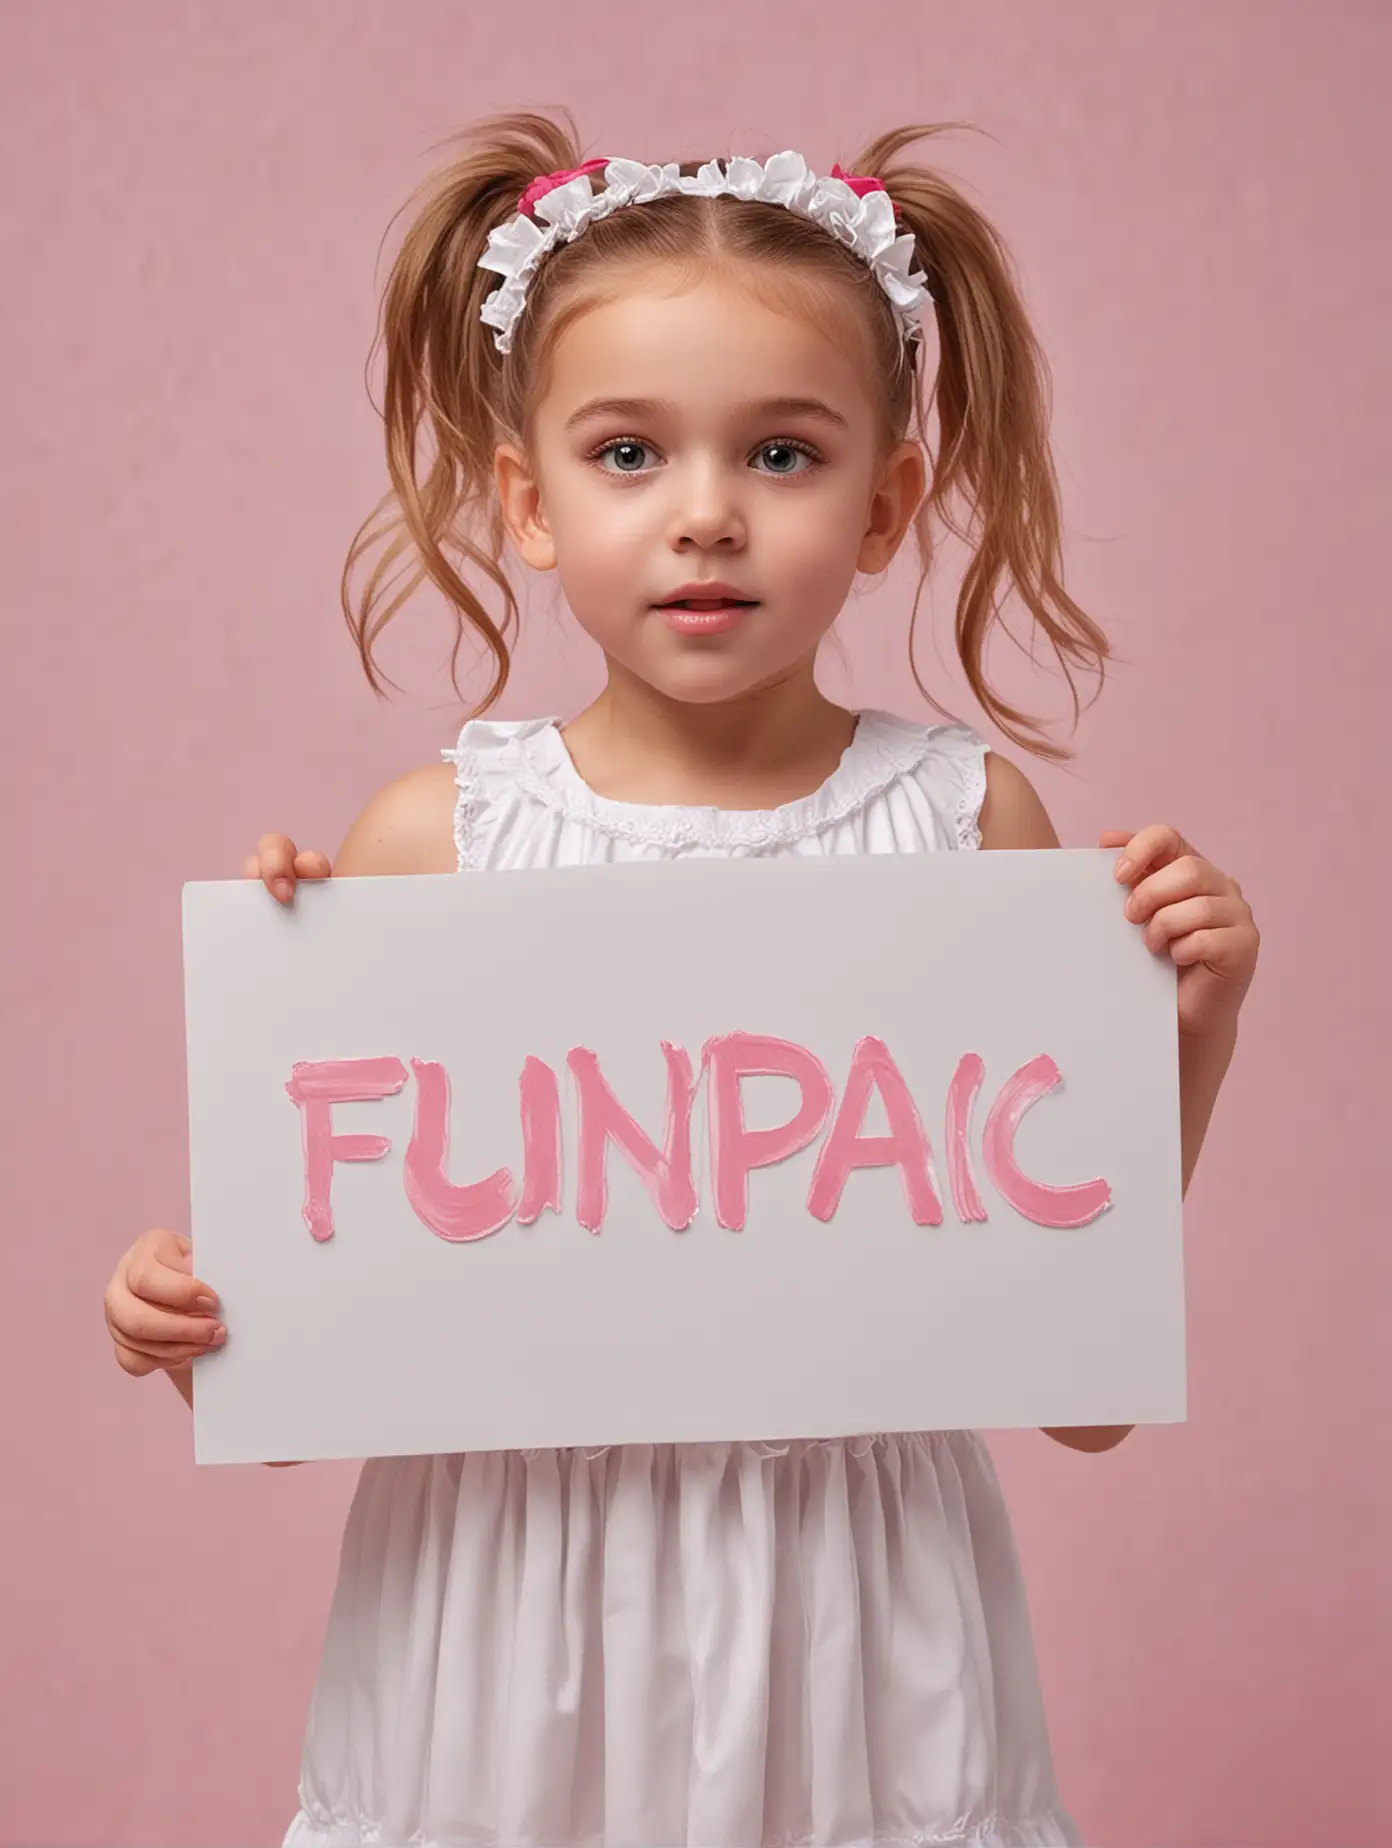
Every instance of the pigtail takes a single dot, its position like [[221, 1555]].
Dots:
[[992, 393], [445, 391], [450, 392]]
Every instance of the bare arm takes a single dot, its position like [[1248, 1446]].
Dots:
[[407, 827], [1013, 817]]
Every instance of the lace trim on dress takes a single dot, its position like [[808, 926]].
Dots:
[[469, 803], [972, 793], [532, 758], [337, 1826], [882, 750], [766, 1450]]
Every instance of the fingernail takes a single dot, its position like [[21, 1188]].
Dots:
[[284, 891], [219, 1335], [1123, 867], [206, 1302]]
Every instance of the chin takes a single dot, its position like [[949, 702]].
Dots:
[[710, 672], [707, 683]]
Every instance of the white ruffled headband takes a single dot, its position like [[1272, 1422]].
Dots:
[[857, 210]]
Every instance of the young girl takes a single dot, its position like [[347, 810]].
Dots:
[[696, 395]]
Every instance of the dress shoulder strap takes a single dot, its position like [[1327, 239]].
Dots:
[[484, 760]]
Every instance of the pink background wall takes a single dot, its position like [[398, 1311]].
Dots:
[[188, 241]]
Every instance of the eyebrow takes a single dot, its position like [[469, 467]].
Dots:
[[660, 407]]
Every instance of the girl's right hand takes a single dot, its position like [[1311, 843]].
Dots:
[[277, 864], [158, 1313]]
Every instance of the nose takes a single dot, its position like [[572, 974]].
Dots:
[[707, 509]]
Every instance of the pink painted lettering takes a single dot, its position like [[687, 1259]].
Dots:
[[464, 1213], [456, 1213], [961, 1095], [905, 1147], [666, 1174], [1045, 1205], [735, 1150], [316, 1085], [541, 1142]]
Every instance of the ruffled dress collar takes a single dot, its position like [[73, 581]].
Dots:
[[882, 748]]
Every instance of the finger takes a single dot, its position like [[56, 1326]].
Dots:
[[140, 1364], [1151, 846], [167, 1353], [162, 1251], [1206, 913], [144, 1325], [172, 1248], [1221, 950], [1190, 876], [1115, 837], [310, 865], [251, 867], [132, 1362], [275, 855], [152, 1279]]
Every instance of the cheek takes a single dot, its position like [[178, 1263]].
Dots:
[[813, 546], [600, 546]]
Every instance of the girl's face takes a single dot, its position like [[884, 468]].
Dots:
[[702, 437]]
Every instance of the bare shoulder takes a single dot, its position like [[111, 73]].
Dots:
[[407, 827], [1012, 815]]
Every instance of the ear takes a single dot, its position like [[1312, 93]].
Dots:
[[519, 499], [898, 491]]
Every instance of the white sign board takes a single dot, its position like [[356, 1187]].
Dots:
[[686, 1151]]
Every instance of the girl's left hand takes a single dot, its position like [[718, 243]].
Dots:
[[1196, 912]]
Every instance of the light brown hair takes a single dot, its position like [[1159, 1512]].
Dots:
[[447, 383]]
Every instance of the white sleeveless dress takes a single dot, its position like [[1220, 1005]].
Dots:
[[734, 1645]]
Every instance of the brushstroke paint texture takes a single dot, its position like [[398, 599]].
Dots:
[[961, 1095], [459, 1214], [316, 1085], [905, 1147], [666, 1173], [1036, 1200], [541, 1141], [735, 1150]]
